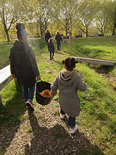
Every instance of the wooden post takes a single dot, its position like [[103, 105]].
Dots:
[[70, 43], [37, 46]]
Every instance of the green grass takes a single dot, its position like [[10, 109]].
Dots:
[[42, 118], [4, 53], [98, 103], [100, 47], [12, 101], [30, 130], [99, 107], [96, 47]]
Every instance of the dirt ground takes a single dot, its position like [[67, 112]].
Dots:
[[44, 133]]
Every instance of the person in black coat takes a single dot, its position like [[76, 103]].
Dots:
[[47, 36], [23, 65], [51, 48], [58, 40]]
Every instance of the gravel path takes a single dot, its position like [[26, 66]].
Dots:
[[43, 133]]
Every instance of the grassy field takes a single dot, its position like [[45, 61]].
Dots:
[[98, 115], [4, 54], [101, 48]]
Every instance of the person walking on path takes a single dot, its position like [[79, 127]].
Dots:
[[51, 48], [68, 82], [58, 40], [47, 36], [23, 65]]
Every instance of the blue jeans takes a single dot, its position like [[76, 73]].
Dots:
[[28, 92], [71, 120]]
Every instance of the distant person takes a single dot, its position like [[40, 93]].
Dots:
[[58, 40], [23, 65], [51, 48], [69, 82], [47, 36]]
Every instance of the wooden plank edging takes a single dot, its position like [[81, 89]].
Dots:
[[96, 61], [5, 76]]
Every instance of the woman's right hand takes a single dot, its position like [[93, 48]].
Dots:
[[38, 78], [13, 76]]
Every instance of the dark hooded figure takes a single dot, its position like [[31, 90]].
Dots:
[[47, 36], [23, 65], [51, 48], [58, 40]]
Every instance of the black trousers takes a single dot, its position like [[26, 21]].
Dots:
[[58, 45], [51, 55]]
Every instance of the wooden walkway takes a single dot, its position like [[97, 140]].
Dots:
[[5, 76], [96, 61]]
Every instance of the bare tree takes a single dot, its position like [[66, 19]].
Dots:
[[64, 14], [87, 12], [41, 15], [8, 14]]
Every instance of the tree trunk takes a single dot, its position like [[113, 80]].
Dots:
[[5, 26], [46, 24], [113, 33], [66, 32], [41, 32], [101, 30], [6, 30], [7, 34], [87, 31], [70, 43], [66, 28], [71, 26], [37, 28]]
